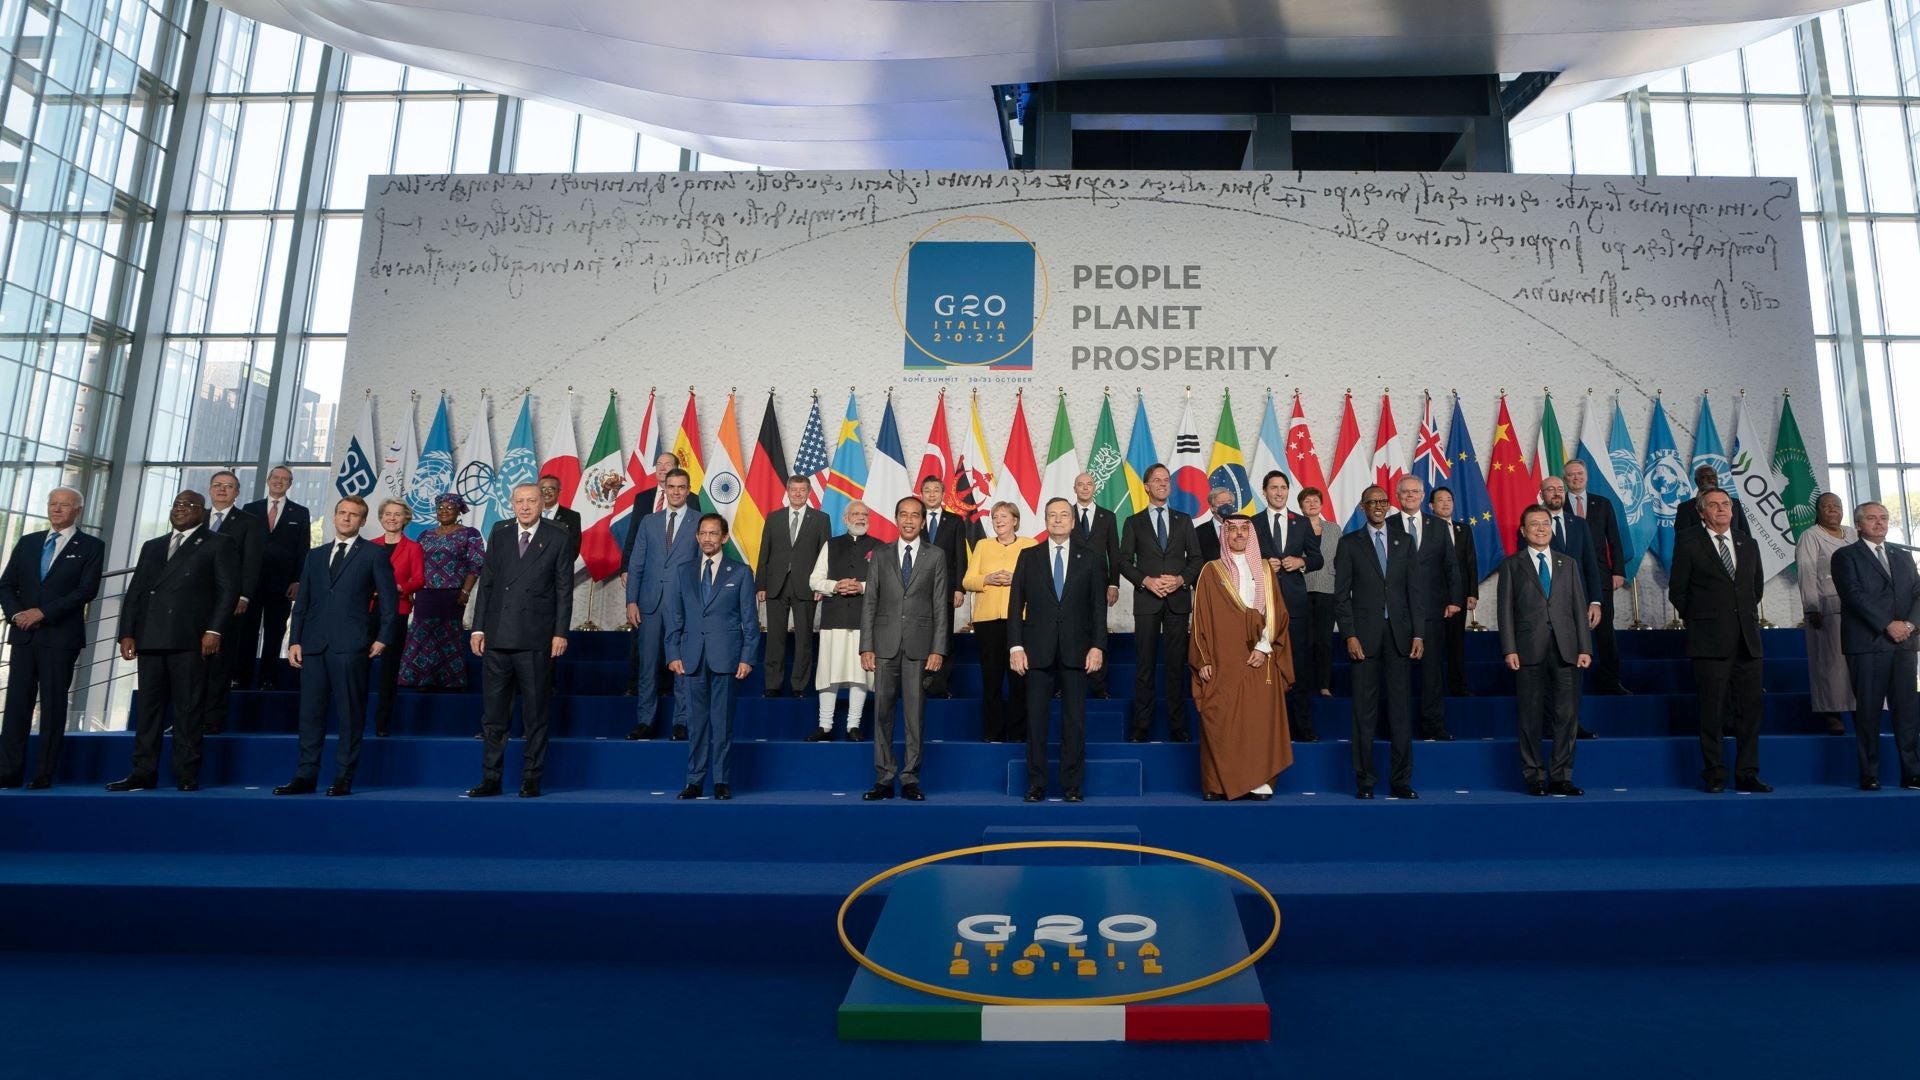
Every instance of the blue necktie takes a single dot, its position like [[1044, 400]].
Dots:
[[1546, 575], [46, 555], [706, 583], [906, 567], [1380, 552], [1160, 525], [1059, 572]]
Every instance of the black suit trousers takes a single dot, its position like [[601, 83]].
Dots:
[[275, 609], [1389, 666], [173, 680], [507, 675], [1729, 692], [1003, 695], [1161, 636], [390, 677], [1547, 697], [42, 673], [1885, 677], [1318, 675], [1073, 724], [333, 682], [1454, 639], [1434, 661], [778, 608], [1606, 650]]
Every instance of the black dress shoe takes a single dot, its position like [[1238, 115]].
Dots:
[[722, 791], [40, 783], [1259, 796], [820, 735], [1363, 793], [381, 733], [1835, 726], [1755, 785], [1180, 736], [1137, 736], [1099, 695], [210, 729], [485, 789], [1036, 794], [1073, 795], [1212, 796], [187, 785], [855, 734], [639, 731], [1306, 738], [878, 792], [1443, 735], [912, 793], [296, 786], [691, 791], [1715, 787], [340, 787], [774, 692], [529, 789], [13, 781], [1405, 793], [1536, 789], [1869, 785], [1565, 788], [679, 733], [1911, 783], [1583, 733], [135, 783]]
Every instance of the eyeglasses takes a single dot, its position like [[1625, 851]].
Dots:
[[1376, 502]]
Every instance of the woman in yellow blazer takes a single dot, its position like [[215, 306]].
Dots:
[[989, 575]]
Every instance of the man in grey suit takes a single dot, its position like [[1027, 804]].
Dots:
[[1546, 642], [904, 623], [1879, 607], [790, 544]]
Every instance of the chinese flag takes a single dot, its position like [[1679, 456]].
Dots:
[[1509, 481]]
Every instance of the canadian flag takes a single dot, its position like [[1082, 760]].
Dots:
[[1389, 451]]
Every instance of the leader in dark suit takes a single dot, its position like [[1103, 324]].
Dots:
[[1292, 550], [1056, 633], [713, 632], [1096, 527], [551, 509], [1603, 523], [1467, 558], [1546, 641], [522, 609], [1439, 575], [1376, 592], [1160, 556], [790, 543], [955, 539], [332, 641], [50, 578], [289, 535], [1715, 588], [249, 534], [664, 541], [172, 616], [1687, 516], [905, 625], [1879, 608], [1210, 533]]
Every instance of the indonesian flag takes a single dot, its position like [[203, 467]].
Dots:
[[601, 480], [1351, 476], [1389, 452], [1022, 471], [563, 455], [936, 459], [1304, 463]]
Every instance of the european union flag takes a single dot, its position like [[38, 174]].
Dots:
[[1472, 506]]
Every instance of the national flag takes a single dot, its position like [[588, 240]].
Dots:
[[971, 490], [847, 476], [1629, 480], [1189, 493], [1389, 452], [811, 462], [1802, 492], [432, 474], [1304, 462], [1269, 453], [1509, 482], [602, 478], [1429, 457], [1351, 476], [1549, 446], [686, 447], [1142, 454], [1063, 465], [1019, 472], [1664, 484], [726, 484], [359, 468], [1709, 451], [1760, 485], [766, 486], [1226, 468], [520, 465], [563, 454], [474, 475], [1108, 465], [641, 479], [1472, 505], [936, 460], [889, 482], [1594, 452], [396, 468]]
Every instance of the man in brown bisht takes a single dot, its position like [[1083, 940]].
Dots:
[[1242, 662]]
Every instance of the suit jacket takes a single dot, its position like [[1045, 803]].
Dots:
[[287, 544], [1057, 630], [954, 541], [786, 564], [171, 602], [1686, 519], [1719, 611], [1302, 543], [643, 504], [652, 565], [1436, 566], [570, 520], [914, 621], [330, 613], [1580, 547], [718, 631], [1370, 605], [250, 534], [1604, 524], [1142, 557], [1103, 540], [1208, 534], [62, 596], [1872, 598], [1531, 622], [524, 603], [1467, 557]]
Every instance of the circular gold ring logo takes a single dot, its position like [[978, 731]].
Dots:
[[1039, 314]]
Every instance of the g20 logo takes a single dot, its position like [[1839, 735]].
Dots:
[[970, 306], [970, 303]]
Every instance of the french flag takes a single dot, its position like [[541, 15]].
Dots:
[[1351, 474]]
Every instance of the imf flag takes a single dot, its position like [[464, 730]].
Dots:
[[359, 466]]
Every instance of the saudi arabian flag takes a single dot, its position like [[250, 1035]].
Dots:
[[1791, 462], [1109, 466]]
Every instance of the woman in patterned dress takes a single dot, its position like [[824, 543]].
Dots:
[[436, 652]]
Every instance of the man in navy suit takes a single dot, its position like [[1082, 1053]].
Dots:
[[1057, 636], [1604, 525], [644, 503], [663, 543], [289, 535], [1292, 550], [1715, 589], [713, 632], [1160, 557], [1096, 527], [250, 535], [48, 582], [1879, 608], [342, 580], [1439, 575], [1376, 593]]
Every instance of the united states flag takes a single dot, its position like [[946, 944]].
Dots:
[[811, 460]]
